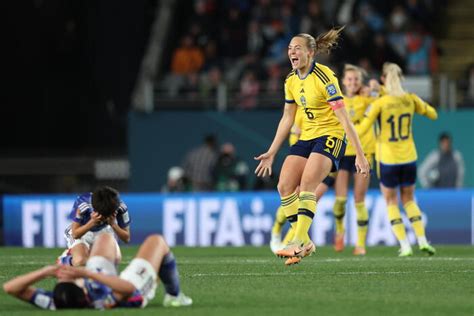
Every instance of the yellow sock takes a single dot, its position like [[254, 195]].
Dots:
[[289, 205], [339, 210], [414, 215], [396, 221], [289, 236], [362, 223], [280, 220], [306, 210]]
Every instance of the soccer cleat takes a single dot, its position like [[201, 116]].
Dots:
[[339, 242], [430, 250], [275, 243], [293, 249], [309, 248], [177, 301], [359, 251], [405, 253], [292, 261]]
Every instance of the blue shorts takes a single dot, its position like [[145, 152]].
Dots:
[[348, 163], [329, 146], [329, 181], [393, 176]]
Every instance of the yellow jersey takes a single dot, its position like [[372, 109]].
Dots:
[[356, 107], [394, 115], [295, 131], [312, 94]]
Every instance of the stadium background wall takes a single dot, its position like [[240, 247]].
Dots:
[[160, 140], [235, 219]]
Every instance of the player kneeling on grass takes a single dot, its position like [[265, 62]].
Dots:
[[94, 213], [98, 285]]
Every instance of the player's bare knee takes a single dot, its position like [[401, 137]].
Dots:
[[285, 189], [79, 260]]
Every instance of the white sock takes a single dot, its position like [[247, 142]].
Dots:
[[405, 245], [422, 241]]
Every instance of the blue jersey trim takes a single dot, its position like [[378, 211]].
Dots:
[[290, 101], [310, 71], [335, 99]]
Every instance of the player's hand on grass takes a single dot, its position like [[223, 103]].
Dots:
[[265, 166]]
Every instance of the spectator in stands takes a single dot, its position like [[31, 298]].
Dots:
[[396, 36], [249, 89], [199, 164], [210, 82], [176, 181], [382, 52], [313, 22], [230, 172], [422, 54], [188, 58], [467, 86], [443, 167]]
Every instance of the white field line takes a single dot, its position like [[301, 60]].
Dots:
[[305, 273]]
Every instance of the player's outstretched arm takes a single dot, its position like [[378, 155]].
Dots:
[[117, 284], [21, 288]]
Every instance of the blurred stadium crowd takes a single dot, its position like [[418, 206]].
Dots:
[[247, 50]]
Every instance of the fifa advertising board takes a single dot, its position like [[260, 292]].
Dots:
[[234, 219]]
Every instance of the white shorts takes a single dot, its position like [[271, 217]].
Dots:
[[142, 275], [86, 239], [101, 264], [89, 238]]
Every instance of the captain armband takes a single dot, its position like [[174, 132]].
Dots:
[[336, 104]]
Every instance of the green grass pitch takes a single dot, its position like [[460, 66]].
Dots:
[[251, 281]]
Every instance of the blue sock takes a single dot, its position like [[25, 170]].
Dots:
[[66, 260], [168, 274]]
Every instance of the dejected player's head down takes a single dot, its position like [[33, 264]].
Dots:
[[105, 201]]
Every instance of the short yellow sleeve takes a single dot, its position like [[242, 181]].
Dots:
[[423, 108], [332, 91], [288, 95]]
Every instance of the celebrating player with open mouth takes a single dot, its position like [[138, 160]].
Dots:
[[315, 88]]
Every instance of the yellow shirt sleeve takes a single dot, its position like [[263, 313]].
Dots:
[[332, 92], [288, 95], [369, 118], [423, 108]]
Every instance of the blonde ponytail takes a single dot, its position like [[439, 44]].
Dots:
[[324, 42], [393, 79]]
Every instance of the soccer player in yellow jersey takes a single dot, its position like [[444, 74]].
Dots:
[[276, 243], [356, 105], [315, 89], [395, 154]]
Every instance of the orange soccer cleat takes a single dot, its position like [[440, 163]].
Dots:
[[359, 251], [339, 242], [295, 249], [292, 261]]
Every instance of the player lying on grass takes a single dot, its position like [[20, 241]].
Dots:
[[98, 285], [94, 213]]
